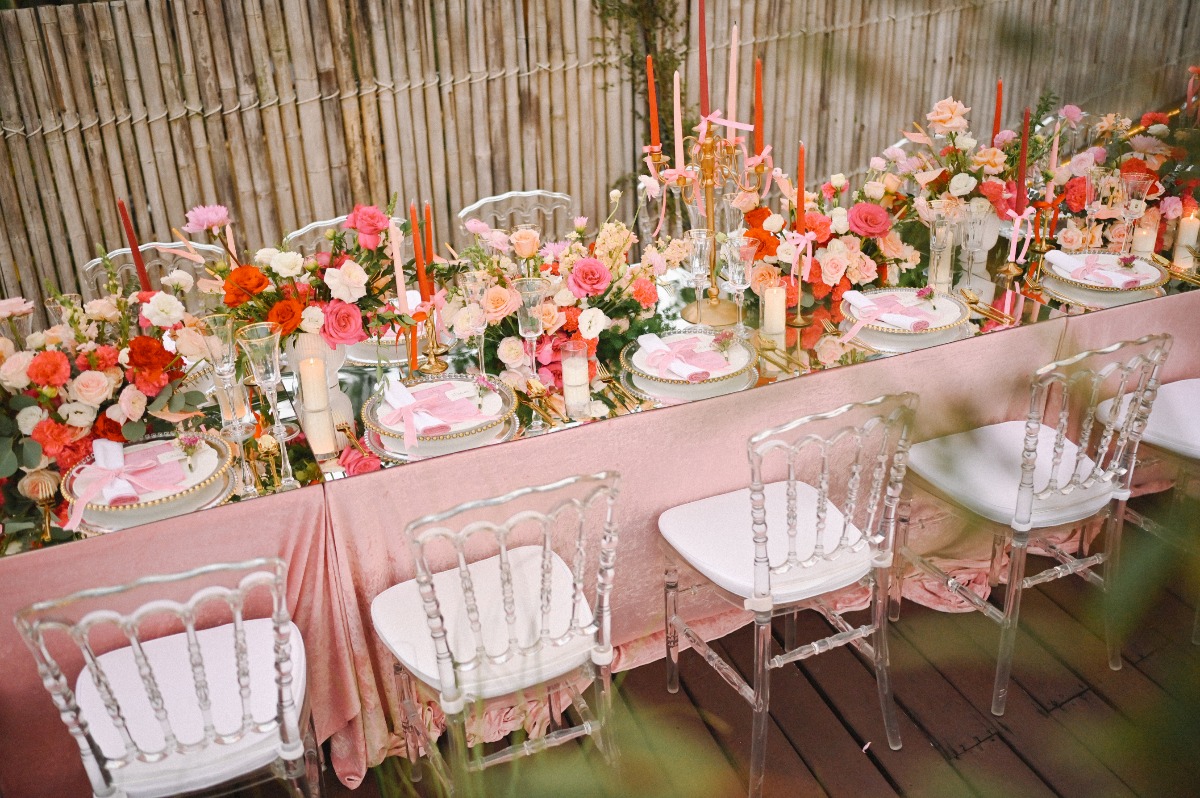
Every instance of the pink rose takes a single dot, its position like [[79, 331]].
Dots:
[[1099, 154], [355, 462], [369, 221], [132, 403], [477, 227], [525, 243], [948, 116], [833, 266], [499, 302], [869, 220], [343, 324], [1004, 137], [1072, 113], [589, 277], [1171, 207]]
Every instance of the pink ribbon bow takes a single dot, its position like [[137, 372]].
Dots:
[[1018, 219], [884, 305], [809, 237], [1092, 270], [716, 120], [684, 349], [141, 470], [433, 308], [433, 403]]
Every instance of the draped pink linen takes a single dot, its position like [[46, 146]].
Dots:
[[38, 757]]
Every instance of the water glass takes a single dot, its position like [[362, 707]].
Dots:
[[974, 223], [237, 419], [703, 250], [730, 218], [941, 241], [260, 343]]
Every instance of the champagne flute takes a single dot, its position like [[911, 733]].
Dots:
[[739, 254], [260, 343], [702, 250], [529, 323], [237, 420], [473, 285]]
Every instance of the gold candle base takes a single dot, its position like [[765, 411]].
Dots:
[[433, 364], [711, 312], [1033, 277], [801, 319]]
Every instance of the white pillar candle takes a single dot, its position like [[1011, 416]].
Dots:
[[731, 91], [1185, 236], [774, 306], [576, 379], [313, 390], [1143, 240]]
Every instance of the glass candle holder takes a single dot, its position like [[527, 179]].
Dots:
[[260, 343], [316, 418], [576, 378]]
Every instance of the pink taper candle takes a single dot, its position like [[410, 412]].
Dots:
[[731, 90], [1022, 198], [680, 156], [758, 107], [395, 245], [703, 63]]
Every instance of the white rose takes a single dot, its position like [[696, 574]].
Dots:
[[288, 264], [592, 322], [12, 372], [614, 196], [837, 181], [874, 190], [774, 223], [123, 357], [468, 321], [1159, 130], [78, 414], [312, 319], [263, 256], [190, 343], [348, 283], [1070, 239], [564, 298], [513, 379], [102, 310], [1062, 174], [35, 340], [163, 310], [28, 418], [786, 253], [132, 402], [839, 222], [962, 184], [511, 352], [179, 279], [965, 143]]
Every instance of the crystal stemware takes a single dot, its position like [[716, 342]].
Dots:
[[1134, 188], [237, 419], [738, 253], [17, 327], [703, 244], [260, 343], [731, 218], [974, 221], [941, 238], [529, 324], [1096, 190], [473, 285], [59, 308]]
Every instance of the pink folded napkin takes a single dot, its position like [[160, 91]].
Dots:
[[122, 477], [680, 357], [1090, 270], [887, 309], [431, 412]]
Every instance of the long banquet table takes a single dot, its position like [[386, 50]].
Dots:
[[344, 540]]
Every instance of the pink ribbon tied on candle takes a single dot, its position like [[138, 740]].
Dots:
[[432, 308], [888, 306], [1017, 220], [809, 237], [433, 412], [663, 355], [716, 120], [122, 479]]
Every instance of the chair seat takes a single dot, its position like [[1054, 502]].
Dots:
[[1172, 425], [714, 536], [168, 656], [400, 621], [980, 469]]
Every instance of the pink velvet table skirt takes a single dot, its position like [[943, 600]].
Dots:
[[345, 542]]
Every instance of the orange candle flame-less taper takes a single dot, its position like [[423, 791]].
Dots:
[[138, 263]]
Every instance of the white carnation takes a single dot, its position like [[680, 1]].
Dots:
[[163, 310], [592, 322], [312, 319], [1159, 130], [965, 143], [348, 283], [263, 256], [179, 279]]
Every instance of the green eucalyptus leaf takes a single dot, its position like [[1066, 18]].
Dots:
[[7, 426], [20, 401], [177, 402], [31, 453], [195, 398], [133, 430], [161, 400], [8, 463]]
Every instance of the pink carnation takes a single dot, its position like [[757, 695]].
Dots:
[[477, 227], [369, 222], [589, 277], [1004, 137], [206, 218]]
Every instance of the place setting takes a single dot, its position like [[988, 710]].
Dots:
[[895, 320]]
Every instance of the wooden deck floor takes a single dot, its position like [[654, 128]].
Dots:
[[1073, 727]]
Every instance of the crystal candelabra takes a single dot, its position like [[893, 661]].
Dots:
[[712, 162]]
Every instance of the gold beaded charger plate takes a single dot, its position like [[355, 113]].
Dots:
[[505, 432], [739, 357], [948, 312], [652, 391], [1147, 270], [496, 402]]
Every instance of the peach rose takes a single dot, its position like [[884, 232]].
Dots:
[[91, 387], [1070, 238], [762, 277], [948, 116], [989, 159], [132, 403], [552, 318], [499, 302], [525, 243]]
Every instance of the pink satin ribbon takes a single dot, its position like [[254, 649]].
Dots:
[[684, 349], [433, 308], [1092, 270], [716, 120], [884, 305], [1018, 219], [142, 471], [434, 403]]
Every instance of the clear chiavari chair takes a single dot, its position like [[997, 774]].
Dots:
[[160, 260], [159, 712], [1064, 465], [314, 237], [500, 608], [547, 210], [819, 516]]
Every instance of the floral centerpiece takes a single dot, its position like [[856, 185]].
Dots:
[[105, 371]]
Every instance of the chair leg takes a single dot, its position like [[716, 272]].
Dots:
[[883, 673], [1008, 625], [762, 692], [789, 630], [1112, 563], [670, 602], [456, 731], [997, 555], [895, 594], [608, 743], [412, 740]]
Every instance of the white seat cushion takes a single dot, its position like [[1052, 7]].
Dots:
[[714, 536], [1172, 425], [168, 657], [400, 621], [980, 469]]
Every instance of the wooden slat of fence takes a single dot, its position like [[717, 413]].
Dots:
[[284, 218]]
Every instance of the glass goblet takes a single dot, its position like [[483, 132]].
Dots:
[[473, 285], [529, 324], [237, 419], [738, 253], [260, 343], [974, 222], [703, 248], [1134, 188]]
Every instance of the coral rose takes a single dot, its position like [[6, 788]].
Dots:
[[242, 284], [763, 277], [589, 277], [343, 324], [287, 313], [369, 221], [869, 220], [49, 369]]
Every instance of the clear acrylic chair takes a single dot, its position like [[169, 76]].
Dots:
[[547, 210], [160, 260], [500, 607], [1062, 466], [208, 708], [314, 237], [819, 516]]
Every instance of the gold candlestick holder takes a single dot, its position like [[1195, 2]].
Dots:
[[433, 344], [433, 364]]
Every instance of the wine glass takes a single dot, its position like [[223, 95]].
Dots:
[[17, 327], [941, 238], [738, 254], [473, 285], [731, 218], [1096, 193], [702, 251], [974, 222], [529, 325], [260, 343], [1134, 188], [237, 419], [60, 308]]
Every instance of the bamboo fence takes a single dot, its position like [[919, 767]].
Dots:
[[289, 111]]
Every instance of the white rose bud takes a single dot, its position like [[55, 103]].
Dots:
[[962, 184], [874, 190], [614, 196], [837, 181], [965, 143], [774, 223]]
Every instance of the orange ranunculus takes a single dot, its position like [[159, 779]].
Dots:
[[768, 244], [756, 217], [287, 313], [243, 283]]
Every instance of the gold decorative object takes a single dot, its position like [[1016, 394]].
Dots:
[[433, 363]]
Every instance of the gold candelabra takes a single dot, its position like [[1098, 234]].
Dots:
[[712, 162]]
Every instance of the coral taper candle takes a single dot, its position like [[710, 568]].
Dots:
[[731, 87], [418, 255], [999, 109], [428, 234], [758, 107], [703, 63], [1022, 198], [138, 263], [652, 94], [800, 221], [680, 158]]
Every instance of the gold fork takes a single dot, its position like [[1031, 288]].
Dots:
[[986, 310], [832, 330], [616, 390]]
